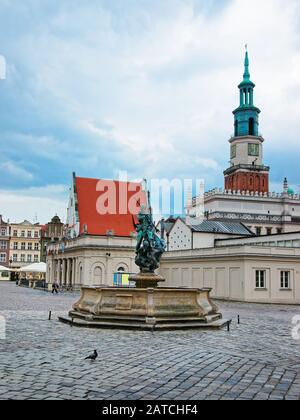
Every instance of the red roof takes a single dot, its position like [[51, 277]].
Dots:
[[93, 201]]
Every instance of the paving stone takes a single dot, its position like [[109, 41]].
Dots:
[[257, 360]]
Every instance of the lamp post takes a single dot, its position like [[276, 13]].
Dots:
[[10, 267]]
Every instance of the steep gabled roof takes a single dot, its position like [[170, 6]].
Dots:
[[94, 223]]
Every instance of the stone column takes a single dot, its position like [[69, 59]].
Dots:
[[50, 271], [68, 272], [58, 274], [74, 272], [71, 272], [63, 280]]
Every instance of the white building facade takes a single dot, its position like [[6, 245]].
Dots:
[[260, 270], [90, 261], [264, 213], [184, 236]]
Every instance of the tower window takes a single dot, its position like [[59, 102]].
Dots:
[[233, 151], [251, 127], [253, 149]]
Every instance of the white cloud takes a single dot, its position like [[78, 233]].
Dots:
[[2, 68], [176, 83], [41, 203], [157, 82], [12, 169]]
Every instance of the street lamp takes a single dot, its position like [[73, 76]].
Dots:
[[10, 267]]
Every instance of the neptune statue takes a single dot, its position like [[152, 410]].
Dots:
[[150, 247]]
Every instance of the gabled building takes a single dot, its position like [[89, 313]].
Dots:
[[4, 243], [102, 207], [183, 236], [51, 232], [100, 233], [25, 246]]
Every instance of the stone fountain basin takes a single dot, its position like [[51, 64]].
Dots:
[[151, 308]]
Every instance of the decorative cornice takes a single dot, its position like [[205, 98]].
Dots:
[[248, 168], [220, 193]]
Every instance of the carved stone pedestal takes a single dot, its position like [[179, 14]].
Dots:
[[146, 280]]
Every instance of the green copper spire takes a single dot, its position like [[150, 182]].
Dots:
[[247, 73], [246, 115], [246, 77]]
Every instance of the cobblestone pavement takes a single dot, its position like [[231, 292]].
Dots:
[[43, 359]]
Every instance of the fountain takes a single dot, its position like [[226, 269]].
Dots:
[[146, 306]]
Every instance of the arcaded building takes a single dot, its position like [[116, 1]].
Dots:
[[99, 249]]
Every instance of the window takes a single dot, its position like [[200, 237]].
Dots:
[[15, 258], [3, 231], [233, 151], [258, 231], [3, 245], [251, 127], [23, 234], [29, 258], [253, 149], [15, 246], [36, 246], [30, 246], [16, 233], [285, 279], [236, 128], [22, 258], [279, 231], [260, 277], [2, 258], [29, 234], [269, 231], [36, 258], [36, 234], [23, 246]]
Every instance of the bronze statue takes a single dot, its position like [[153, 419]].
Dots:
[[150, 247]]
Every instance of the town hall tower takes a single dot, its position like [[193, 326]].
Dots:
[[247, 172]]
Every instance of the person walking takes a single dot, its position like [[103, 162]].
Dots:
[[55, 287]]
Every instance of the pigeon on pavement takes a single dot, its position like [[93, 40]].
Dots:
[[92, 356]]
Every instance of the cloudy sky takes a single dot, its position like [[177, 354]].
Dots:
[[147, 86]]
